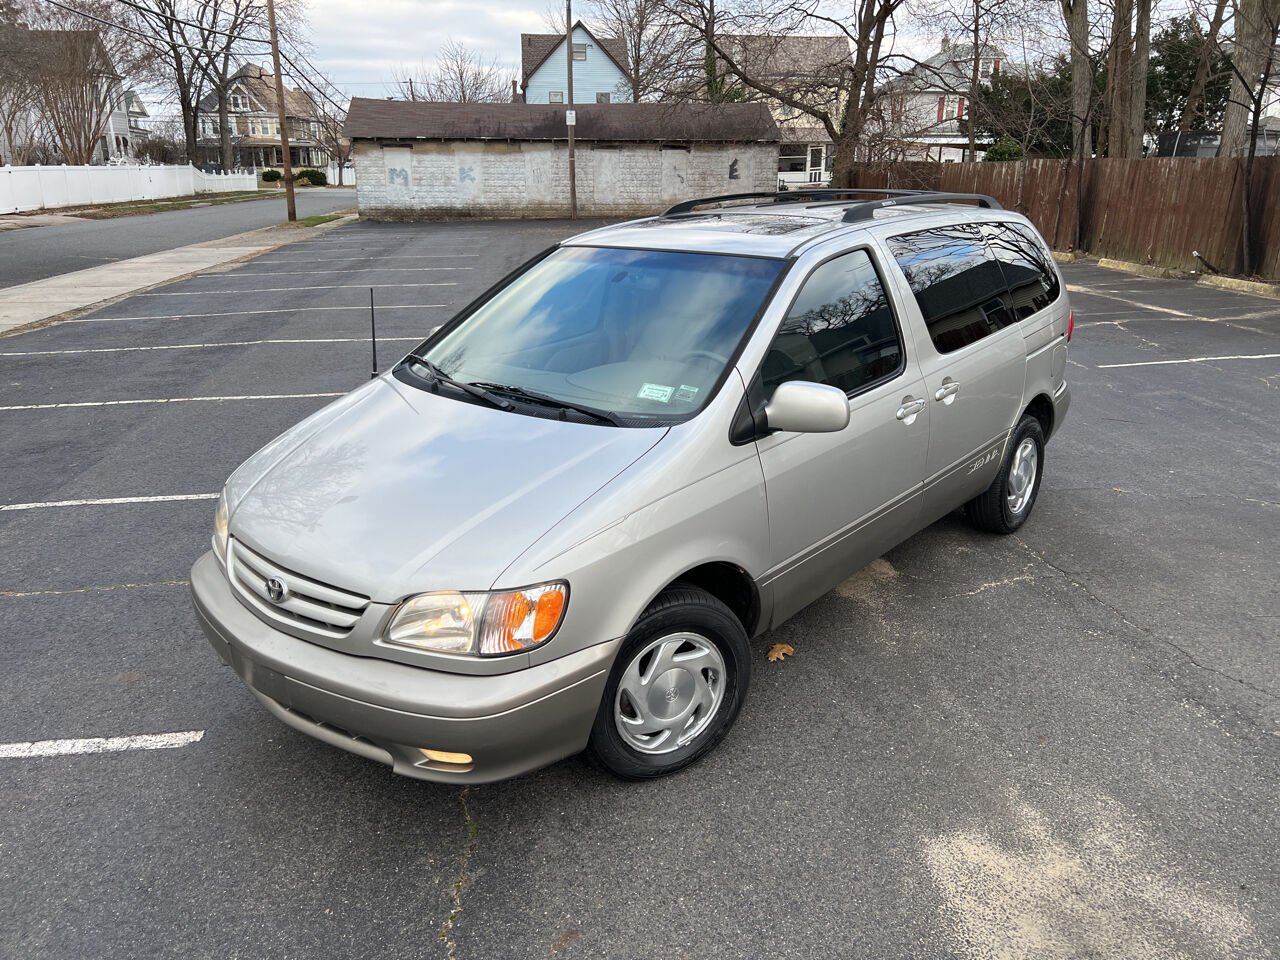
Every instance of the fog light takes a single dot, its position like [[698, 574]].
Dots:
[[443, 756]]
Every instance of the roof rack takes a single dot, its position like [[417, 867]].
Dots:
[[858, 210], [867, 210]]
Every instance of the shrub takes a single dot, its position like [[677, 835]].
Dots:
[[313, 176], [271, 176], [1005, 148]]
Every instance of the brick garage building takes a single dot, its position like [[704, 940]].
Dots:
[[417, 160]]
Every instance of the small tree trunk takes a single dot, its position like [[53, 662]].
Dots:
[[973, 80], [224, 130], [1195, 95]]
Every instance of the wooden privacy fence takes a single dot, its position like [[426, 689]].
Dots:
[[1154, 211]]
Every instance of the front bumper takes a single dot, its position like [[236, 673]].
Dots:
[[509, 723]]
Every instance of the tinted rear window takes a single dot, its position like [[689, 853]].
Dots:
[[957, 283], [1032, 279]]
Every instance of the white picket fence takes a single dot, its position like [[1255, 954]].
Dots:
[[50, 188]]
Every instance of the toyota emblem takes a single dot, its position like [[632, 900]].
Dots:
[[277, 590]]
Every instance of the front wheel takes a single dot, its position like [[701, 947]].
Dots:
[[1005, 505], [675, 688]]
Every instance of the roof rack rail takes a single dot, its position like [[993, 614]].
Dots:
[[867, 209], [786, 196], [858, 210]]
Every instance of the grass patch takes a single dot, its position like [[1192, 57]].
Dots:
[[134, 208], [315, 221]]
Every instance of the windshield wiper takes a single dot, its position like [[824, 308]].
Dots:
[[472, 389], [533, 396]]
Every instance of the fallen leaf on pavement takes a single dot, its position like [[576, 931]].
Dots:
[[780, 651]]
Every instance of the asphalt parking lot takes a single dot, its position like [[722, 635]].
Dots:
[[1065, 743]]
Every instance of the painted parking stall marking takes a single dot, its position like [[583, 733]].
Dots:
[[218, 291], [107, 501], [202, 346], [61, 748], [162, 400], [254, 313], [1161, 363]]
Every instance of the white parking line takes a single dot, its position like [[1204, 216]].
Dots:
[[201, 346], [62, 748], [312, 273], [18, 594], [254, 313], [128, 403], [108, 501], [325, 286], [402, 256], [1160, 363]]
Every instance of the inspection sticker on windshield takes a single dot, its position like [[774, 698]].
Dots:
[[686, 393], [656, 391]]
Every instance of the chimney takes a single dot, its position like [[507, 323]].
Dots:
[[515, 92], [946, 44]]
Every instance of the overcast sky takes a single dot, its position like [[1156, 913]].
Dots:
[[360, 43]]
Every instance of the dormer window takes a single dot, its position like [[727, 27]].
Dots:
[[988, 67], [239, 102]]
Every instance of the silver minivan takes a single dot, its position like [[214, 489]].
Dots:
[[558, 523]]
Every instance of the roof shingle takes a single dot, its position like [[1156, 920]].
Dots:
[[369, 119]]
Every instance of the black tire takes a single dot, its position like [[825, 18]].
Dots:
[[681, 608], [991, 509]]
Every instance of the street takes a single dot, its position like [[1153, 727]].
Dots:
[[40, 252], [1063, 743]]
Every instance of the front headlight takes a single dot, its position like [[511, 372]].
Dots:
[[221, 528], [480, 624]]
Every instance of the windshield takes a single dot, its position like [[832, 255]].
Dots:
[[640, 334]]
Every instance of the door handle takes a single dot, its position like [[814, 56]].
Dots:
[[910, 409], [947, 392]]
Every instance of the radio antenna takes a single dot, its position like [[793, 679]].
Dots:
[[373, 336]]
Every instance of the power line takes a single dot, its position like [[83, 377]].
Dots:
[[191, 23]]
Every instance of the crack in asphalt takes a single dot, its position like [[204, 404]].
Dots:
[[1141, 629], [460, 881]]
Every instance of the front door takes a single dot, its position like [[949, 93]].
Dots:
[[817, 163], [839, 500], [973, 360]]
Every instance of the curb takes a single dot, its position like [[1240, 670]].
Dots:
[[1258, 288], [271, 238]]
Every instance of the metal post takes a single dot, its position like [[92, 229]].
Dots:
[[283, 113], [573, 166]]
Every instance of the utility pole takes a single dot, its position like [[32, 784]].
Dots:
[[571, 116], [283, 113], [412, 96]]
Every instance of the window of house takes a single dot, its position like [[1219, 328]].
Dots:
[[1028, 271], [555, 96], [239, 102], [791, 157], [579, 51], [839, 330], [602, 98], [957, 284]]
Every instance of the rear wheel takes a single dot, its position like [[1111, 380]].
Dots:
[[675, 688], [1005, 505]]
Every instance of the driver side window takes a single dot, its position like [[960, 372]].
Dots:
[[840, 330]]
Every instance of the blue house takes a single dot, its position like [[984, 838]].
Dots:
[[599, 72]]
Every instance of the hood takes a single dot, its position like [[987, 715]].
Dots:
[[393, 490]]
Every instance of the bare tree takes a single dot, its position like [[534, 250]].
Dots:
[[1248, 56], [20, 122], [459, 75], [1194, 105], [657, 46], [845, 103]]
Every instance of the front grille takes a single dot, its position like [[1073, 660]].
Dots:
[[306, 606]]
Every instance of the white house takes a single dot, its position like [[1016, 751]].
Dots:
[[929, 101], [599, 71], [813, 69]]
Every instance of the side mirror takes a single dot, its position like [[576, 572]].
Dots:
[[799, 406]]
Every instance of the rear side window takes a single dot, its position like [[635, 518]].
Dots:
[[957, 284], [1032, 280], [840, 329]]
